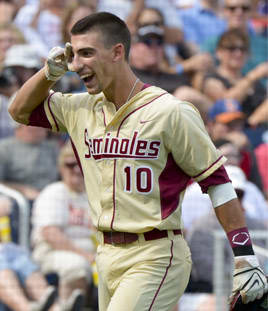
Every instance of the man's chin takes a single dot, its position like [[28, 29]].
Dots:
[[93, 92]]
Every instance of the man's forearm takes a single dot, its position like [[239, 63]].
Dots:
[[29, 96], [230, 215]]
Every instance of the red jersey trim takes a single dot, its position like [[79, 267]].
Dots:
[[172, 181], [218, 177], [208, 167]]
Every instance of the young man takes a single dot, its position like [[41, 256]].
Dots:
[[138, 147]]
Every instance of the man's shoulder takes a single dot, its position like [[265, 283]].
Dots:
[[75, 100]]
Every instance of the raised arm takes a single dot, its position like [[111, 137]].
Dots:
[[29, 96], [36, 89]]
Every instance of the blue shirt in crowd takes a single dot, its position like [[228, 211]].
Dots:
[[199, 24]]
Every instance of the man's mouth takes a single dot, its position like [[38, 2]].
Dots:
[[87, 78]]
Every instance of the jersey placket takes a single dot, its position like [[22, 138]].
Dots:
[[107, 171]]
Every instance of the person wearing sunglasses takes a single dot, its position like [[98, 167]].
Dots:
[[147, 58], [228, 81], [62, 232], [238, 14]]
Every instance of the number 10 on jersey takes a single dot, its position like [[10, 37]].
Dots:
[[139, 179]]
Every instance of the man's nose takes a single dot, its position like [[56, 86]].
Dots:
[[76, 64]]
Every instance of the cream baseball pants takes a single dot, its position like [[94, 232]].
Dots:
[[143, 275]]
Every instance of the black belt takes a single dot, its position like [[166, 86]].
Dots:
[[116, 237]]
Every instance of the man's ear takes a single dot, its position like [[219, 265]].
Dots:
[[118, 52]]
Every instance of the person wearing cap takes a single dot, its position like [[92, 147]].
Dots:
[[23, 61], [227, 120], [147, 60]]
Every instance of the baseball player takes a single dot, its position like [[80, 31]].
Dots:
[[138, 147]]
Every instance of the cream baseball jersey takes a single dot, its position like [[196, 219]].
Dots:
[[137, 160]]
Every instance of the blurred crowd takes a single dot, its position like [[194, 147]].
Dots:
[[212, 53]]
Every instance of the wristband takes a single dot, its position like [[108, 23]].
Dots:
[[240, 242], [179, 68]]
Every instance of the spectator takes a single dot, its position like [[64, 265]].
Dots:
[[22, 61], [237, 14], [6, 123], [62, 235], [260, 115], [146, 57], [22, 286], [179, 58], [172, 37], [226, 120], [227, 80], [72, 13], [28, 160], [201, 233], [201, 22], [8, 11], [41, 23], [259, 20], [19, 273], [9, 35], [253, 199]]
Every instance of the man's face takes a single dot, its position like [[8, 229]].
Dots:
[[94, 63], [237, 13]]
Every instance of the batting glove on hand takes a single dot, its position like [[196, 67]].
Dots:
[[248, 279], [58, 62]]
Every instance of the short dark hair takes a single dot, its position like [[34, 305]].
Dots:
[[113, 29]]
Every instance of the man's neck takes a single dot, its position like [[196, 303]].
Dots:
[[124, 89]]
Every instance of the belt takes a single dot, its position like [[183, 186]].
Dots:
[[116, 237]]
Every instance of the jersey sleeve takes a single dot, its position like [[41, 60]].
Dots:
[[50, 113], [191, 146]]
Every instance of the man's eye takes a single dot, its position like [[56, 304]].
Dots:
[[87, 53]]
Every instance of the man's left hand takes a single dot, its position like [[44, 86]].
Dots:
[[248, 279]]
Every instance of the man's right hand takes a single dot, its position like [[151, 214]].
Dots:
[[58, 62]]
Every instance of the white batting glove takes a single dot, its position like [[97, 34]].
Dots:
[[58, 62], [249, 279]]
